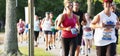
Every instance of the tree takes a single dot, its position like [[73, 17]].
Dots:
[[90, 7], [98, 7], [10, 40]]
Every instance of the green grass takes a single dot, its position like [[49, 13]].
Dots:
[[118, 46], [37, 52]]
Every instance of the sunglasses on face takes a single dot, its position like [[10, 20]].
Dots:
[[69, 6]]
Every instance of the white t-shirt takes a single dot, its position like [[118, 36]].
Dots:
[[102, 36], [47, 25], [36, 25]]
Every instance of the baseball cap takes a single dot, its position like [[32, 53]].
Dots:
[[108, 1]]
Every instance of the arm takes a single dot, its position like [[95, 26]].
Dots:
[[78, 24], [60, 20], [42, 21], [117, 24], [94, 24], [84, 22], [77, 21]]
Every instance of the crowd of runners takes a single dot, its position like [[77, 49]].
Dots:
[[75, 30]]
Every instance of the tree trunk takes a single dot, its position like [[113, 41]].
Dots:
[[90, 7], [10, 40]]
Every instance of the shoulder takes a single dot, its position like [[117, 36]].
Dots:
[[97, 16], [60, 17], [113, 14], [101, 13]]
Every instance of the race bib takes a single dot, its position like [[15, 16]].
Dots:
[[88, 35], [107, 36], [20, 28], [74, 31]]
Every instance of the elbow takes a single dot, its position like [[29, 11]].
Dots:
[[92, 26], [57, 27]]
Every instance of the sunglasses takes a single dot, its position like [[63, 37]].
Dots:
[[69, 6]]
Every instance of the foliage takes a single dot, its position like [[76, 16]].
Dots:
[[2, 9], [98, 7], [20, 9], [41, 6], [56, 6]]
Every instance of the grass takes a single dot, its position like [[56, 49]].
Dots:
[[37, 51], [118, 46]]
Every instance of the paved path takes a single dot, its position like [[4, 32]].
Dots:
[[55, 51]]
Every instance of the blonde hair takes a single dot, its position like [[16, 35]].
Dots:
[[66, 1]]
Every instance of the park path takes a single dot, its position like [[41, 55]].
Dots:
[[56, 51]]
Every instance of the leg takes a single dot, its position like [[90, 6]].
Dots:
[[111, 49], [65, 46], [101, 50], [79, 40], [49, 39], [36, 33], [86, 46], [46, 39], [73, 45]]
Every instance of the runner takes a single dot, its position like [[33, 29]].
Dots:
[[87, 34], [81, 20], [67, 23], [46, 27], [36, 30], [26, 33], [104, 24], [20, 29], [53, 31]]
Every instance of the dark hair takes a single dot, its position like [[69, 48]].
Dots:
[[50, 12], [76, 2]]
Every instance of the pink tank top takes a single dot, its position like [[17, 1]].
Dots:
[[66, 23]]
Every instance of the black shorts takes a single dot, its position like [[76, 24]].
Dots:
[[36, 33], [108, 50], [79, 39], [48, 32]]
